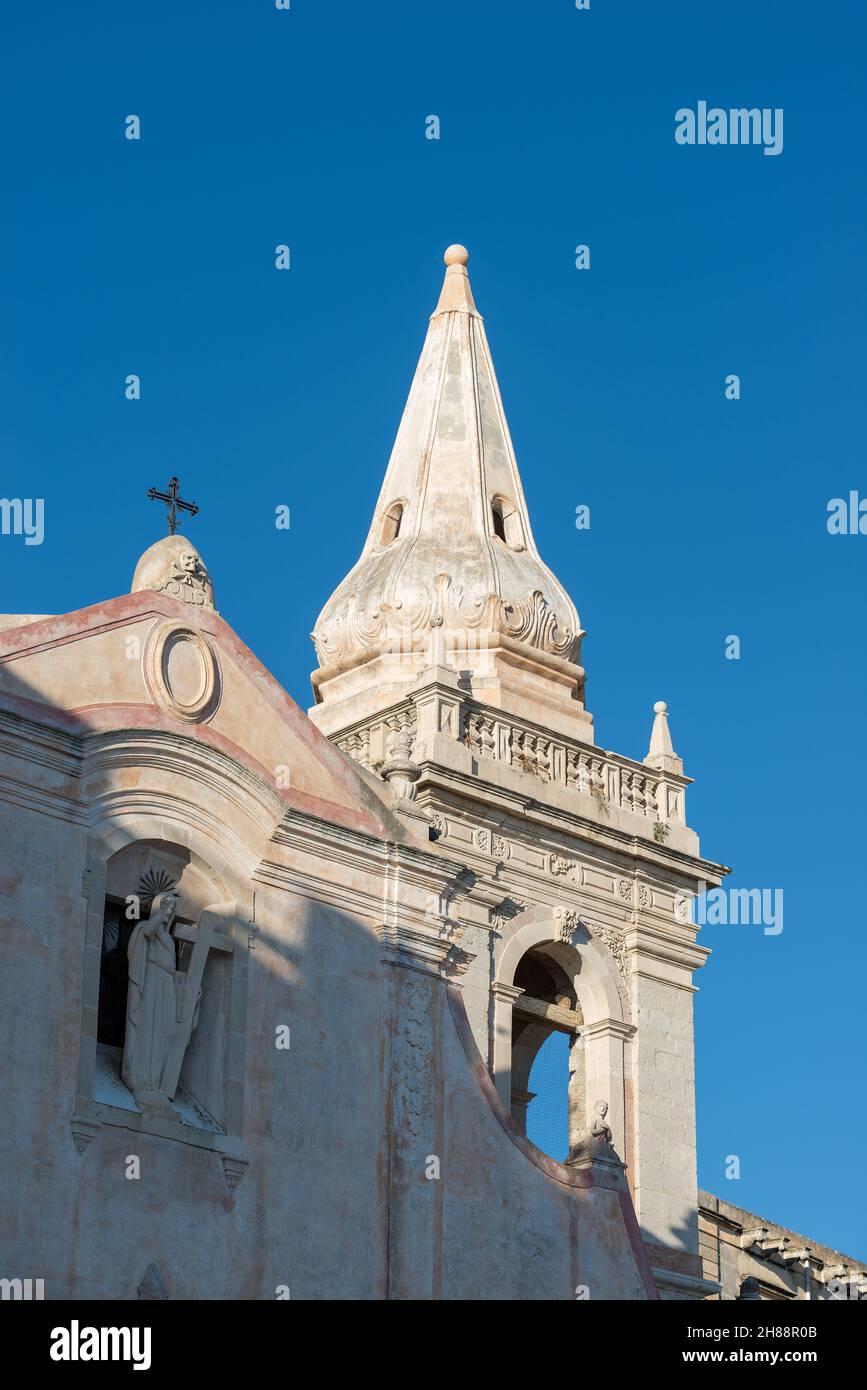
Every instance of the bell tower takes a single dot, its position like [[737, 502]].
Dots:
[[450, 665]]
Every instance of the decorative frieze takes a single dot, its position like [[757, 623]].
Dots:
[[615, 943], [568, 919], [559, 867], [489, 842], [636, 893]]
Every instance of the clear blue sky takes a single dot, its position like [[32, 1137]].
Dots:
[[708, 517]]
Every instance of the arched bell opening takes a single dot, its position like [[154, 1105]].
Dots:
[[547, 1072]]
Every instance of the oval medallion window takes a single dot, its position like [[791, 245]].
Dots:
[[182, 673]]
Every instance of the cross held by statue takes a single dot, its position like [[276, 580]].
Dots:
[[205, 937], [175, 503]]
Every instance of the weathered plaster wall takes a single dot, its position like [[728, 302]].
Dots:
[[541, 1237], [664, 1088], [320, 1183], [375, 1060], [306, 1213]]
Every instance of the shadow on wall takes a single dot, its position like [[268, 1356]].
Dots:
[[345, 1075]]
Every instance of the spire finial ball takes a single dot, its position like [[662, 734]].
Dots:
[[660, 707], [456, 255]]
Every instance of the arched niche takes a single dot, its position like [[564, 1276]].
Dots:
[[129, 857]]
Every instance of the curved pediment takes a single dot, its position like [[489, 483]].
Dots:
[[148, 663]]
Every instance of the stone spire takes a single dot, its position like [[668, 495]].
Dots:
[[450, 574], [661, 754]]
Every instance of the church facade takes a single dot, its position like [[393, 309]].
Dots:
[[273, 983]]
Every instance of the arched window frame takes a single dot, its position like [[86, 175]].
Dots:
[[547, 1004], [392, 521], [506, 524], [606, 1032]]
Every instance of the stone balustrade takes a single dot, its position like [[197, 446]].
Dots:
[[611, 780]]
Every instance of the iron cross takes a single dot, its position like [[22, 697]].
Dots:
[[175, 503], [205, 937]]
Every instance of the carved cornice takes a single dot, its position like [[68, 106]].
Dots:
[[652, 942], [507, 993], [609, 1028], [561, 830], [425, 945], [24, 795], [321, 887], [359, 849], [188, 759], [425, 935], [25, 738]]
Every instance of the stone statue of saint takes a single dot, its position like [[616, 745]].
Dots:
[[595, 1146], [154, 1005], [600, 1127]]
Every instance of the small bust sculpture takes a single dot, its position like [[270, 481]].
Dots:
[[600, 1128]]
